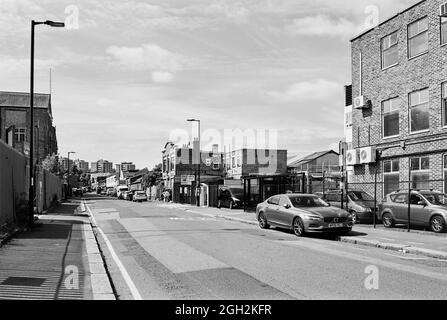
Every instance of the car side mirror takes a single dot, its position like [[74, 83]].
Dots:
[[287, 206], [422, 203]]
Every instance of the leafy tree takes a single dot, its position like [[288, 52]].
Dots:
[[154, 175], [51, 163]]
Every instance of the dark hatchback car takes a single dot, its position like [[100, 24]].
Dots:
[[427, 209], [230, 197]]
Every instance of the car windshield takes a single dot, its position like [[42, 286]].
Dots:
[[140, 193], [360, 196], [438, 199], [123, 189], [237, 192], [307, 202]]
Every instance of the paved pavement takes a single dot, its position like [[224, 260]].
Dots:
[[156, 251], [57, 260]]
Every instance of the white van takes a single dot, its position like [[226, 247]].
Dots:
[[120, 190]]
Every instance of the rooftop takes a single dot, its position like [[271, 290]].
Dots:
[[22, 99]]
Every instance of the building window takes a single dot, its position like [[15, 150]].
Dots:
[[419, 111], [390, 112], [390, 176], [420, 172], [445, 173], [418, 37], [443, 30], [20, 134], [444, 104], [390, 51], [348, 119]]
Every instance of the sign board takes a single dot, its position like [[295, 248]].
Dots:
[[184, 181], [191, 178]]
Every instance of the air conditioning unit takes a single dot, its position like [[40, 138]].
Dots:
[[352, 157], [361, 103], [443, 10], [367, 155]]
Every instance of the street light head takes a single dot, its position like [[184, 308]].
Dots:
[[55, 24], [192, 120]]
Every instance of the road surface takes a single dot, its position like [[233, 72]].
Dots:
[[166, 253]]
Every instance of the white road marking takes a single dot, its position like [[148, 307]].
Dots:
[[387, 239], [133, 289], [417, 243]]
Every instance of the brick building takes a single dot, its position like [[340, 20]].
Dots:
[[15, 119], [399, 89], [101, 166]]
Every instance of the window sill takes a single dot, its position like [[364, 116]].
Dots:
[[391, 66], [419, 132], [392, 137], [417, 56]]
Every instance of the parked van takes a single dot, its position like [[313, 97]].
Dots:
[[360, 203]]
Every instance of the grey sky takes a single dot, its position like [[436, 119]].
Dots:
[[136, 70]]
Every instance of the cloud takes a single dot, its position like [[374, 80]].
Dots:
[[307, 90], [322, 25], [162, 76]]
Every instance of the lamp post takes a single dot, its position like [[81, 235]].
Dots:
[[199, 161], [31, 126], [68, 174]]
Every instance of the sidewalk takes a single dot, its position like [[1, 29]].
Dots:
[[59, 259], [419, 242]]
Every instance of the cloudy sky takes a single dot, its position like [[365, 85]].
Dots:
[[127, 74]]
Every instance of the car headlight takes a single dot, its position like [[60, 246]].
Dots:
[[313, 218]]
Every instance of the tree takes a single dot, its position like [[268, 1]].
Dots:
[[154, 175], [51, 163]]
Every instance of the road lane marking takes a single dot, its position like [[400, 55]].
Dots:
[[175, 255], [133, 289]]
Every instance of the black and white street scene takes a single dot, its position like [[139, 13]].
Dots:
[[229, 150]]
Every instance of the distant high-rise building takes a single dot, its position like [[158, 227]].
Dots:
[[125, 167], [82, 165], [101, 166], [64, 163]]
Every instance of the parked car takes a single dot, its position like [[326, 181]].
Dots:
[[427, 209], [231, 197], [139, 196], [128, 195], [77, 192], [303, 213], [360, 204], [120, 191], [110, 192]]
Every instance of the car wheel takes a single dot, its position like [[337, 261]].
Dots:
[[437, 224], [263, 223], [387, 220], [298, 227]]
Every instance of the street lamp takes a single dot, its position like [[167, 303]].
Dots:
[[198, 171], [68, 174], [31, 145]]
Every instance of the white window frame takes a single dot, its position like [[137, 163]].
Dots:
[[444, 104], [391, 173], [20, 132], [390, 46], [415, 106], [398, 107], [444, 171], [420, 170], [418, 34], [443, 23]]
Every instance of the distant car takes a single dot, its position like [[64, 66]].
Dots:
[[128, 195], [77, 192], [139, 196], [360, 204], [230, 197], [120, 191], [303, 213], [110, 192], [103, 192], [427, 209]]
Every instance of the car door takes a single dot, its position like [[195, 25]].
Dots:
[[419, 212], [399, 207], [271, 211], [285, 215]]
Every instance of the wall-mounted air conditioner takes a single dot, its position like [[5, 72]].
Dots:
[[352, 157], [443, 10], [367, 155]]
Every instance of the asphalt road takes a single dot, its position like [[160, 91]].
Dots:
[[171, 254]]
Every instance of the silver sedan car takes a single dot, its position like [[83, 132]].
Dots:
[[303, 213]]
